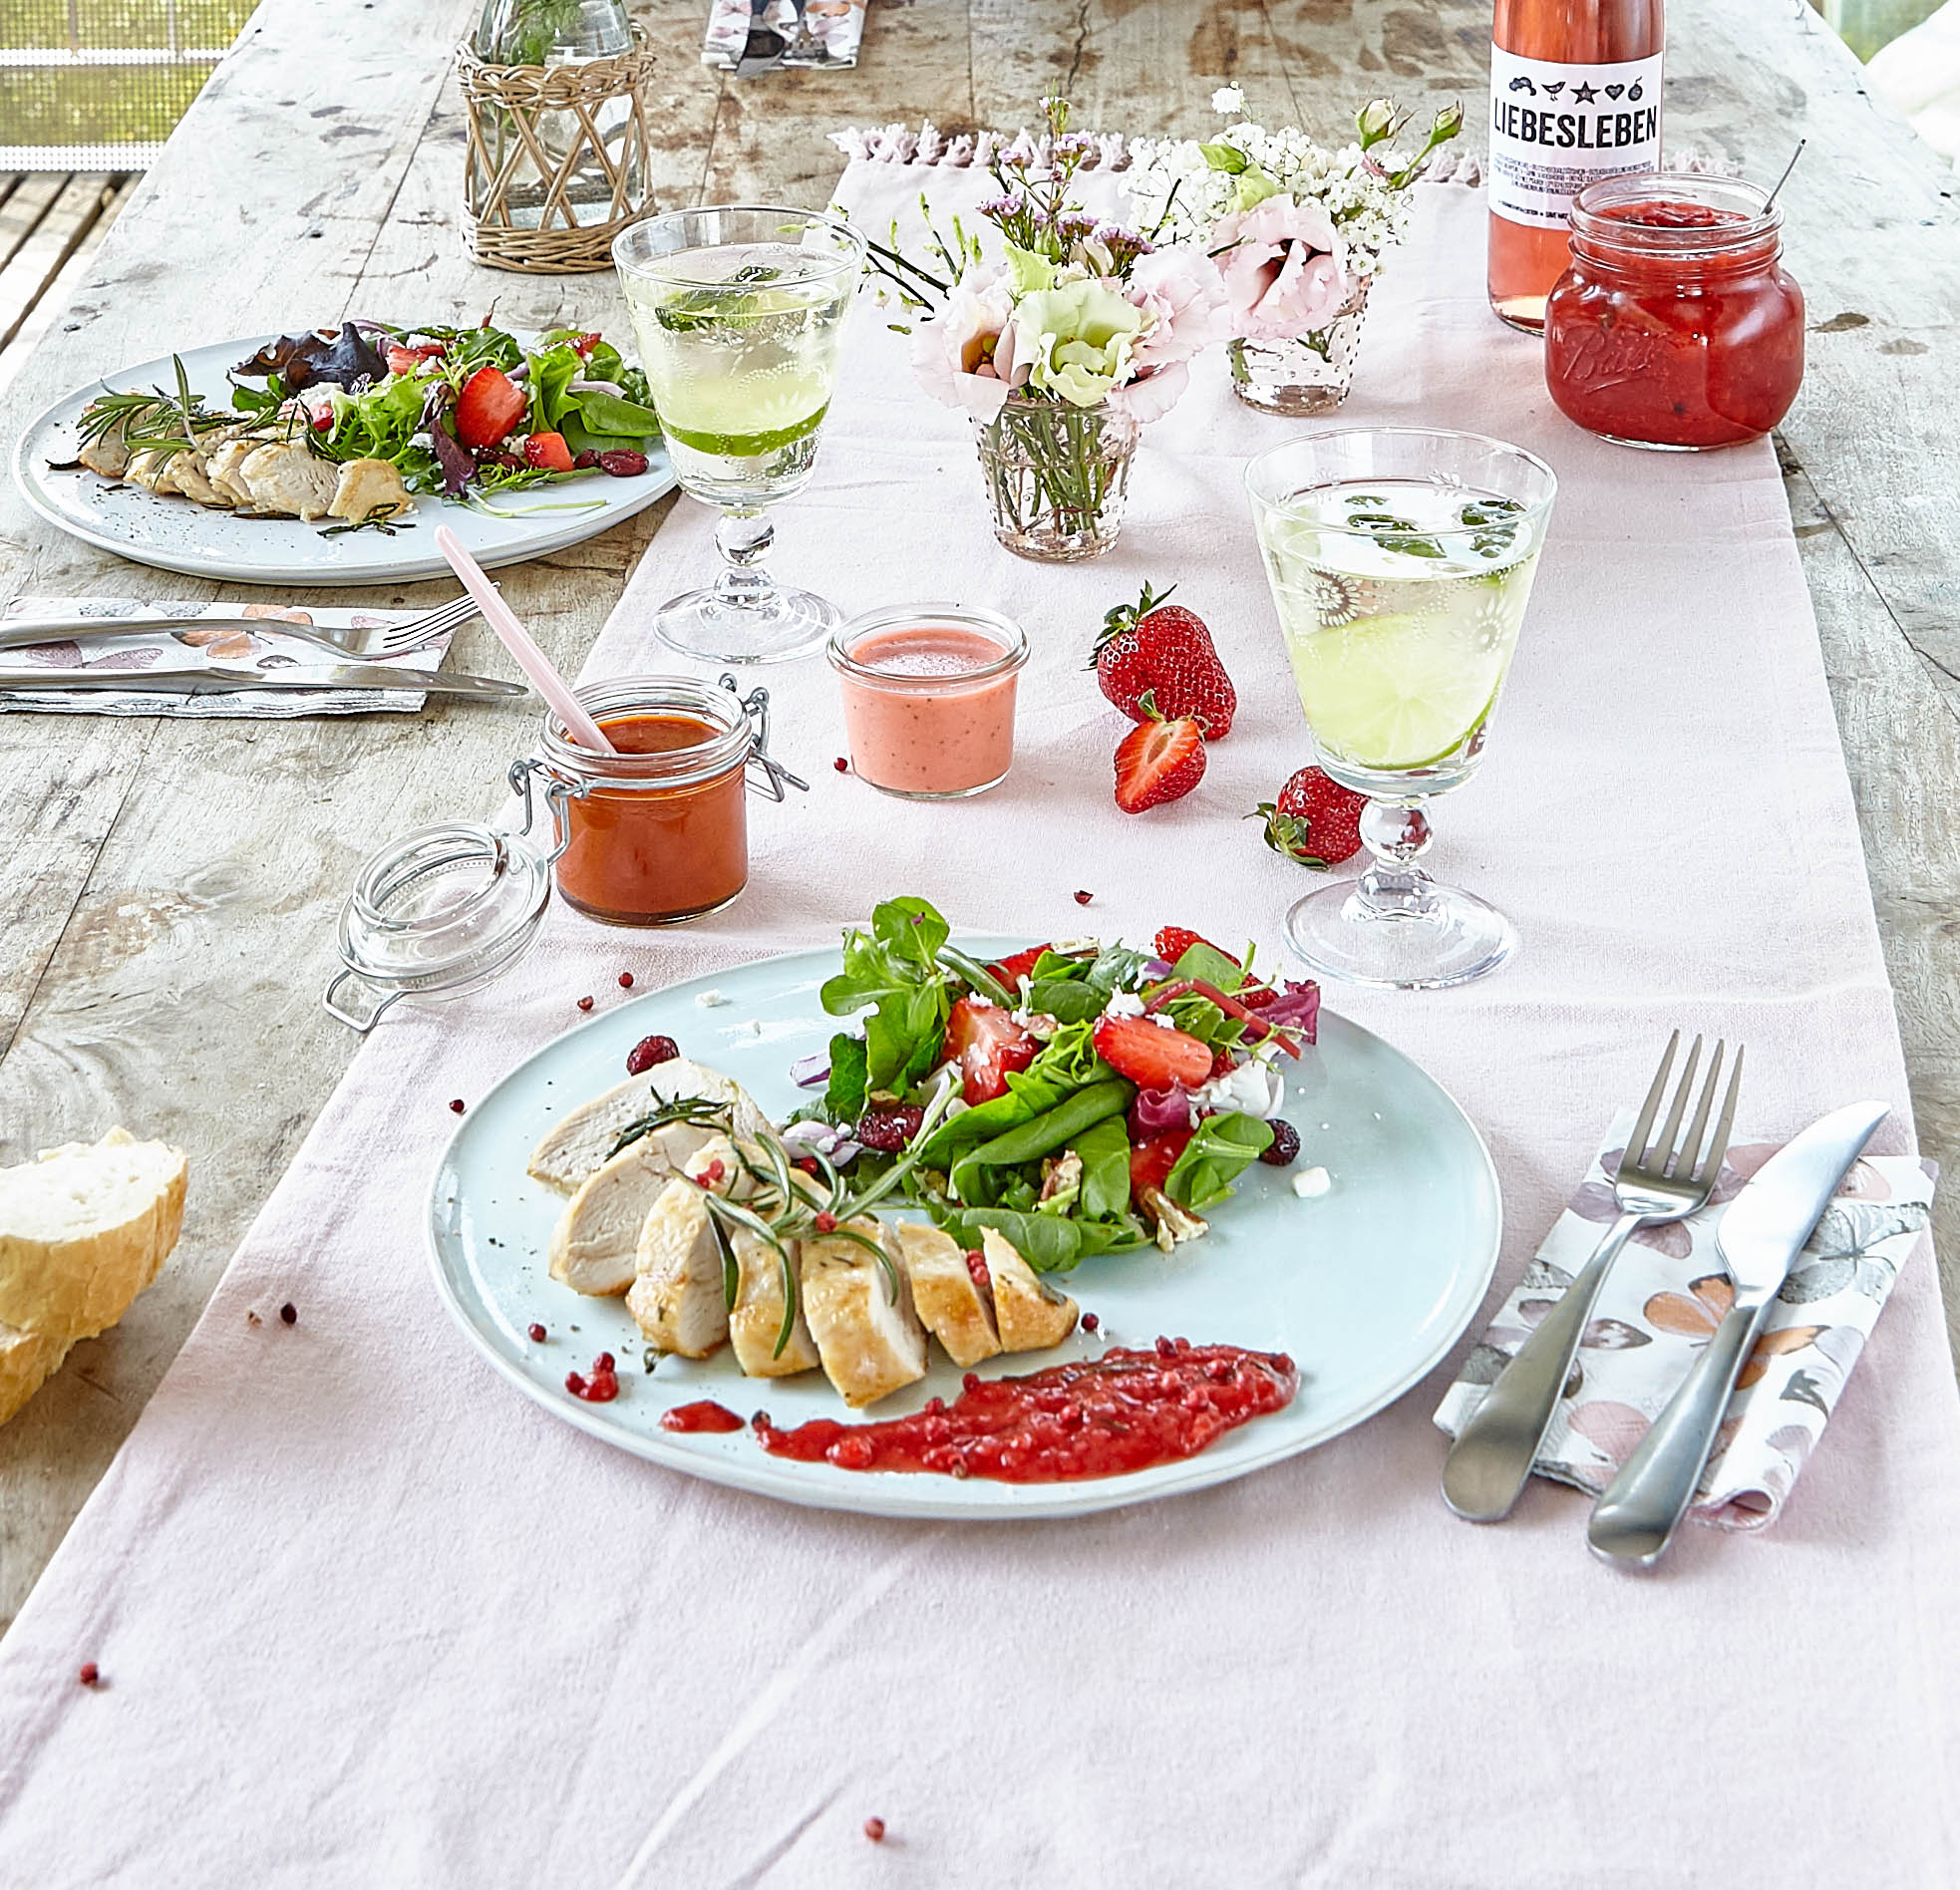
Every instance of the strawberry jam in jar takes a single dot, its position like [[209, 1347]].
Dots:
[[1676, 326], [657, 832]]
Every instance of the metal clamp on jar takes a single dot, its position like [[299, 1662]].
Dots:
[[654, 834]]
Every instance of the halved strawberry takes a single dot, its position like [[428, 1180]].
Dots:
[[988, 1043], [1150, 1056], [1159, 761], [404, 357], [1150, 1162], [490, 405], [1173, 941], [548, 453], [1010, 971]]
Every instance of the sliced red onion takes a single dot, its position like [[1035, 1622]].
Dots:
[[578, 385], [809, 1133], [1155, 968], [808, 1072], [1297, 1006], [844, 1151]]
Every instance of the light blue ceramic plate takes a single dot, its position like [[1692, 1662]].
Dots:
[[1367, 1287]]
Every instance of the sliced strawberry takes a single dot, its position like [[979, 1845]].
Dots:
[[1150, 1162], [1159, 761], [548, 453], [1150, 1056], [490, 405], [404, 357], [1010, 971], [584, 343], [987, 1044], [1173, 941]]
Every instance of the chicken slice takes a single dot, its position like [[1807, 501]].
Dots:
[[755, 1323], [593, 1244], [110, 455], [948, 1298], [367, 487], [578, 1144], [678, 1299], [1031, 1315], [869, 1338], [152, 470], [288, 479], [189, 469], [222, 469]]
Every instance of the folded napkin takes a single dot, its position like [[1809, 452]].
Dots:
[[193, 649], [1662, 1302]]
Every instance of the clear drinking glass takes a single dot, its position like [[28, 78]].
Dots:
[[1401, 560], [739, 311]]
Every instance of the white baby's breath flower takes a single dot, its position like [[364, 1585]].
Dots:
[[1228, 99]]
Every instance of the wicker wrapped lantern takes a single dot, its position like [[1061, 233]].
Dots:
[[557, 160]]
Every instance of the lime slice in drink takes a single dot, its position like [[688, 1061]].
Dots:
[[1395, 691]]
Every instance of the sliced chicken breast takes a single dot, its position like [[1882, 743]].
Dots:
[[109, 455], [870, 1341], [194, 481], [1031, 1315], [948, 1298], [756, 1321], [367, 487], [584, 1138], [150, 470], [677, 1297], [287, 478], [594, 1242], [222, 470]]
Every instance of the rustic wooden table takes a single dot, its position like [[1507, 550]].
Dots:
[[167, 889]]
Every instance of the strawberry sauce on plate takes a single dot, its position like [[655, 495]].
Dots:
[[1127, 1410]]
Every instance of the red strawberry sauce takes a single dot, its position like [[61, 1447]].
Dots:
[[1127, 1410], [703, 1414]]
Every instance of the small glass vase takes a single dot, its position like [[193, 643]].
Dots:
[[1057, 476], [1303, 374]]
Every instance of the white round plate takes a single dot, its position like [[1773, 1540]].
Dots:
[[1367, 1287], [177, 535]]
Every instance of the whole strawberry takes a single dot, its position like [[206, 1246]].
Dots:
[[1152, 654], [1315, 821]]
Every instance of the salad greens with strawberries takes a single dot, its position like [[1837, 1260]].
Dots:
[[1107, 1095], [459, 410]]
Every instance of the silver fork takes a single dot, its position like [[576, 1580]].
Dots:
[[394, 639], [1663, 1182]]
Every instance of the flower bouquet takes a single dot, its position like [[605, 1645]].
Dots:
[[1298, 233], [1061, 350]]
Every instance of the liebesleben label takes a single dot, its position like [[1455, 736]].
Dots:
[[1554, 128]]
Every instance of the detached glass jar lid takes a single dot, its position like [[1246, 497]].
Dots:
[[436, 914]]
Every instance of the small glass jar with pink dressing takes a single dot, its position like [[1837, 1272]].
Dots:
[[928, 697]]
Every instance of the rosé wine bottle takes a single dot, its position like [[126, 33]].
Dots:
[[1575, 95]]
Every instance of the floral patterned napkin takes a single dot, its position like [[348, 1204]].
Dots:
[[190, 649], [1662, 1302]]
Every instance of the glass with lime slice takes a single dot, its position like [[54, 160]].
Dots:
[[740, 312], [1401, 560]]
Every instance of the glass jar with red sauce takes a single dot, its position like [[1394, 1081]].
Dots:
[[1676, 326], [659, 831]]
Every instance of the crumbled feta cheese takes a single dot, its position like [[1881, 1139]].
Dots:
[[1252, 1086], [1124, 1004], [1074, 947], [711, 1000], [1311, 1183]]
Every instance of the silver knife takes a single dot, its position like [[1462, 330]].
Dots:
[[213, 681], [1759, 1235]]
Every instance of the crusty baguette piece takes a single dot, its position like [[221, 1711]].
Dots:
[[82, 1231]]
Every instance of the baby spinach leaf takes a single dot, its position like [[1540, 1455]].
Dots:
[[1216, 1155]]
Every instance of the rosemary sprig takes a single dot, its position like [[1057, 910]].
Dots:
[[152, 422], [695, 1110], [379, 518]]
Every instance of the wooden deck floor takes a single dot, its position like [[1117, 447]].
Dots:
[[49, 224]]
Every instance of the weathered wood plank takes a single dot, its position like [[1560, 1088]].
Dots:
[[30, 200], [57, 295], [37, 263]]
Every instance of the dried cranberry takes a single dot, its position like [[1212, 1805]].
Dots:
[[625, 981], [623, 463], [290, 1313], [1285, 1145], [889, 1130], [1083, 898], [91, 1674], [875, 1830], [537, 1335], [584, 1004], [585, 462], [648, 1051]]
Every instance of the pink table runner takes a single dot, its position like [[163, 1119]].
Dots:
[[366, 1617]]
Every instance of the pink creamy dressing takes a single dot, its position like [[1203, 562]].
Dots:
[[915, 728]]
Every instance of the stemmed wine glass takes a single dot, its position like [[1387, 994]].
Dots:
[[1401, 560], [740, 310]]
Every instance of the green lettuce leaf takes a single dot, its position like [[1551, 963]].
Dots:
[[1214, 1157]]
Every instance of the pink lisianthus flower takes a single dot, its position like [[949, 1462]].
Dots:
[[1279, 270], [1153, 393], [1182, 288], [965, 357]]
